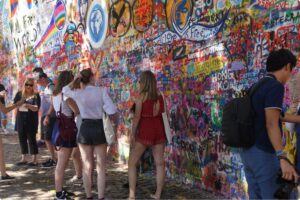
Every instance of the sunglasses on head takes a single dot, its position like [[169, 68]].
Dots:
[[28, 85]]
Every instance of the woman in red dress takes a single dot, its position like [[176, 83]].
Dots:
[[147, 130]]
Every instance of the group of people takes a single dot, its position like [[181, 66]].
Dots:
[[80, 99]]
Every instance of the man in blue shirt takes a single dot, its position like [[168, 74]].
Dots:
[[263, 161]]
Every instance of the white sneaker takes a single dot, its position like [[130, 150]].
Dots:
[[75, 180], [6, 132]]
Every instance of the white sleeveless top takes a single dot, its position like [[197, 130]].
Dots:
[[64, 107]]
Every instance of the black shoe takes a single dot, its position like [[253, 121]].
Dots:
[[7, 178], [49, 163], [32, 164], [125, 185], [63, 196], [21, 163]]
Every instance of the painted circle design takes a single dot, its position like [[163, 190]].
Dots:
[[60, 15], [97, 23], [143, 14]]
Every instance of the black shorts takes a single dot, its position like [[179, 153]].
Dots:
[[91, 132], [47, 130]]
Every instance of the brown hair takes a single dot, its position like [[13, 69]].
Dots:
[[24, 93], [86, 76], [64, 78], [147, 78]]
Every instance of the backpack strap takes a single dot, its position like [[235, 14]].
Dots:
[[260, 83]]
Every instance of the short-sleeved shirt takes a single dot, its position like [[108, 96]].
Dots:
[[2, 100], [91, 101], [46, 99], [268, 96]]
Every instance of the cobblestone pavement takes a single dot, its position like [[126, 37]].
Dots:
[[38, 183]]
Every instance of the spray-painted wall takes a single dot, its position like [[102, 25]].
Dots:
[[203, 52]]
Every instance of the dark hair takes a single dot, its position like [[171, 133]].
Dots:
[[86, 75], [64, 78], [38, 69], [42, 75], [277, 59]]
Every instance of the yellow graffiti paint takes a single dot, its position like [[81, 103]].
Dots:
[[209, 66]]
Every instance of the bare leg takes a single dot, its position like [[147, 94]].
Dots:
[[2, 163], [50, 148], [158, 154], [86, 152], [23, 158], [100, 151], [63, 156], [134, 157], [77, 162], [34, 158]]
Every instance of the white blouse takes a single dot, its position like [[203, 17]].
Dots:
[[91, 101], [64, 106]]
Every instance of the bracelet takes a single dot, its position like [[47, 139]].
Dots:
[[280, 153]]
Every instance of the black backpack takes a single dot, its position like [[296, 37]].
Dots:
[[238, 119]]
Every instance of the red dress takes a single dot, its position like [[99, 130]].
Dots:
[[151, 129]]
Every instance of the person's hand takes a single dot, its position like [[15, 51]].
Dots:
[[21, 102], [46, 121], [78, 76], [2, 93], [288, 171]]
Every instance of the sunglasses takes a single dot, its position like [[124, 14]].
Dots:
[[28, 85]]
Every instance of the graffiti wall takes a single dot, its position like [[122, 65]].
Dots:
[[203, 52]]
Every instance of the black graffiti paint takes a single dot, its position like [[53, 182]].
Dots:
[[119, 12], [179, 53]]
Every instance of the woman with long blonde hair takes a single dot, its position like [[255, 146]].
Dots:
[[147, 131], [27, 121]]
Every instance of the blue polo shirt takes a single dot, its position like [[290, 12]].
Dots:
[[269, 95]]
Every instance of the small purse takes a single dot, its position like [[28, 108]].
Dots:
[[108, 129], [166, 123]]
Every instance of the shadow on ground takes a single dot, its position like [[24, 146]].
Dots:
[[38, 183]]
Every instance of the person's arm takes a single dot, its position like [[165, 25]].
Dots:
[[274, 133], [72, 104], [291, 118], [11, 107], [50, 111], [137, 115], [273, 106], [109, 107]]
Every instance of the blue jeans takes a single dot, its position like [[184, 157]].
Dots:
[[261, 170], [2, 117]]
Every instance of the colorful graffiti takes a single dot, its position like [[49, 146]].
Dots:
[[203, 53]]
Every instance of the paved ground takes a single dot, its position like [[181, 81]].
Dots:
[[38, 183]]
